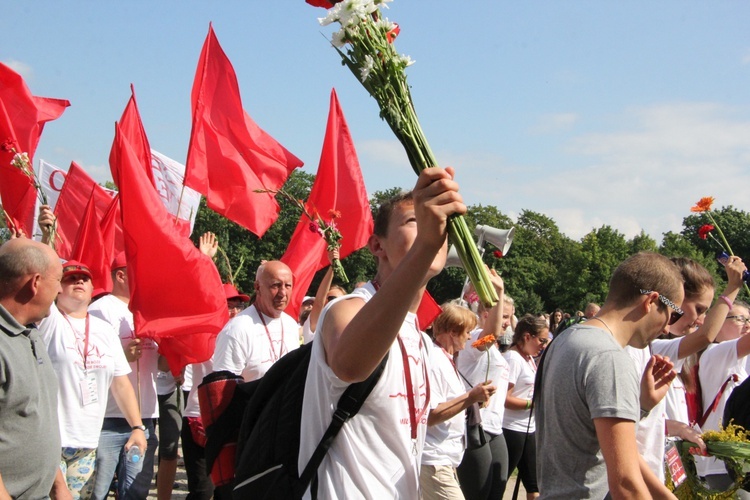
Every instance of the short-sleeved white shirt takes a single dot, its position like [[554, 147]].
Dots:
[[478, 366], [445, 442], [247, 347], [80, 415], [115, 312], [522, 374]]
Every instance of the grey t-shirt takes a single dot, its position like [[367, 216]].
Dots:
[[29, 432], [586, 375]]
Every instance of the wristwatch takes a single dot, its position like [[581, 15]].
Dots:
[[139, 427]]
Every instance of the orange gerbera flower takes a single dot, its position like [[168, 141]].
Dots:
[[703, 205], [484, 342]]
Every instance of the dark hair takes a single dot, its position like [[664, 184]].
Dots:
[[383, 214], [696, 277], [528, 323], [644, 271]]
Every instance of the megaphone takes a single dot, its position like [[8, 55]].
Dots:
[[501, 238], [453, 260]]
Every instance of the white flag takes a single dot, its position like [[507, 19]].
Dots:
[[51, 178], [168, 177]]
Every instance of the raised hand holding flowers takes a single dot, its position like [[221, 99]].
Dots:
[[365, 44]]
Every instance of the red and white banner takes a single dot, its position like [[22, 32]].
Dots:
[[168, 180]]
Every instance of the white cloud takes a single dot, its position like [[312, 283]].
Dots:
[[554, 122], [21, 68]]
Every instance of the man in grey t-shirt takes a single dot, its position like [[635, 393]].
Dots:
[[590, 395]]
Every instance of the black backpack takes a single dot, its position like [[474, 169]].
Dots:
[[269, 438]]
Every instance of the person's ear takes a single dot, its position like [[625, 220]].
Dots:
[[375, 246]]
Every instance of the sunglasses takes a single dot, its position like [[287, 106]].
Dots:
[[676, 314]]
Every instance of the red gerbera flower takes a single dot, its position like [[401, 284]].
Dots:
[[704, 230]]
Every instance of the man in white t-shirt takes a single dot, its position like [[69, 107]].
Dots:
[[377, 453], [261, 334], [134, 478]]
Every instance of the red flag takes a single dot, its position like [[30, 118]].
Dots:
[[111, 227], [89, 248], [132, 127], [176, 293], [22, 119], [427, 311], [242, 157], [338, 186], [71, 206]]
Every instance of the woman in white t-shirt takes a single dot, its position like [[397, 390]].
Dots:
[[88, 358], [530, 338], [445, 441]]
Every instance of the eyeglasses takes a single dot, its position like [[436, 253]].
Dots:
[[543, 340], [236, 307], [739, 319], [676, 314]]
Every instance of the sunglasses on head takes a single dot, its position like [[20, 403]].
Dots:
[[676, 313]]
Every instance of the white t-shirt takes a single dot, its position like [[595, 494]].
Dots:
[[675, 403], [198, 371], [472, 364], [522, 374], [307, 334], [247, 347], [445, 443], [115, 312], [716, 365], [374, 455], [82, 393]]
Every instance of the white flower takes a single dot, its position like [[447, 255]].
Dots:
[[365, 70], [339, 38], [384, 3], [405, 60]]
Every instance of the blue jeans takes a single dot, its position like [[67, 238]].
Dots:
[[133, 479]]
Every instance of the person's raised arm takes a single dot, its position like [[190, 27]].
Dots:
[[494, 322], [707, 332], [46, 220], [356, 336], [208, 244], [322, 294]]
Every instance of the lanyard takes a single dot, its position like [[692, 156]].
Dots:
[[414, 415], [274, 356], [85, 339], [450, 358]]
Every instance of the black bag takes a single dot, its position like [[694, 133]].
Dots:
[[475, 437], [269, 439]]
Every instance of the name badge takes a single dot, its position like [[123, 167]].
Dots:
[[89, 392]]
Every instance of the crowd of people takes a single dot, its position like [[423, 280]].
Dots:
[[582, 405]]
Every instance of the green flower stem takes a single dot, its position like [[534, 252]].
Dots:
[[726, 246]]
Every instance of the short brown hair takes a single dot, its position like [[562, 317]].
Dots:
[[384, 211], [528, 323], [644, 271], [454, 318]]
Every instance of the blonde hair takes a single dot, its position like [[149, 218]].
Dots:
[[454, 318]]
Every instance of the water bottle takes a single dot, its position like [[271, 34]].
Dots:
[[134, 454], [723, 257]]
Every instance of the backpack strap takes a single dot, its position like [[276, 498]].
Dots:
[[348, 405], [715, 404]]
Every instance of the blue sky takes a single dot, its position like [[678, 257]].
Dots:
[[592, 112]]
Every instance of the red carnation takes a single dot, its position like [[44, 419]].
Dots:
[[704, 230], [9, 145], [392, 34], [499, 254], [326, 4]]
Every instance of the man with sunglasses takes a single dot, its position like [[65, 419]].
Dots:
[[590, 396]]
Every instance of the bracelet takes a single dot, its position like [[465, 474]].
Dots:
[[727, 300], [528, 404], [139, 428]]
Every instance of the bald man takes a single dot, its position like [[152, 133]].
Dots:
[[30, 449], [257, 337]]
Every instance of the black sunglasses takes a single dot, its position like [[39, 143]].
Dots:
[[676, 313]]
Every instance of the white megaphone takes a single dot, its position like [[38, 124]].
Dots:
[[500, 238], [453, 260]]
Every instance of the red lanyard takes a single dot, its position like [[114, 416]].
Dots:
[[414, 415], [274, 356], [85, 339]]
